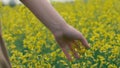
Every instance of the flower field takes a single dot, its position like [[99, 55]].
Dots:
[[31, 45]]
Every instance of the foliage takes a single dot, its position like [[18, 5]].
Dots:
[[31, 44]]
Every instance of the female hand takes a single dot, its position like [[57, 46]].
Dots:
[[67, 37], [64, 35]]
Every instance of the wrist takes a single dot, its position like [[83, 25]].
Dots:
[[58, 28]]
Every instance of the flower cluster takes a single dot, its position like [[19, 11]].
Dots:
[[31, 45]]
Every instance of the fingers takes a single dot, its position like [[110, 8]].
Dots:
[[75, 53], [74, 34], [84, 41], [64, 49], [66, 53]]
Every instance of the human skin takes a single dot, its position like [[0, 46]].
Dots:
[[4, 58], [64, 34], [3, 61]]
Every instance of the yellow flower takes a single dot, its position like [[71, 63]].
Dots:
[[112, 66], [12, 46], [31, 45]]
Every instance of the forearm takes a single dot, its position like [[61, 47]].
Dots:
[[46, 14]]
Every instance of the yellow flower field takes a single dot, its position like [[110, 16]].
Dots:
[[31, 45]]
